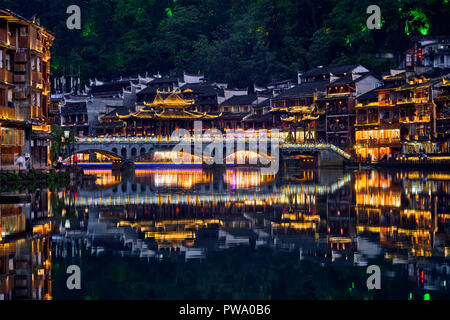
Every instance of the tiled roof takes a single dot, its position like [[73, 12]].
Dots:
[[240, 100], [303, 89], [329, 69]]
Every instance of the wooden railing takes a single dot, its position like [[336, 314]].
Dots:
[[20, 57], [19, 78], [7, 112]]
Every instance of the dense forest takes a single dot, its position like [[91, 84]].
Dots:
[[237, 41]]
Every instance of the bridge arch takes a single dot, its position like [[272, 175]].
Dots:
[[247, 157], [123, 152], [110, 154]]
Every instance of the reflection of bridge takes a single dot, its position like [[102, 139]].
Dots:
[[131, 148], [137, 193]]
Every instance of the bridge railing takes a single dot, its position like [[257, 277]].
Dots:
[[91, 140], [315, 147]]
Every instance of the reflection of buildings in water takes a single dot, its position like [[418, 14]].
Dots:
[[402, 209], [400, 216], [403, 213], [241, 214], [25, 249], [210, 188], [239, 179], [104, 177], [173, 178]]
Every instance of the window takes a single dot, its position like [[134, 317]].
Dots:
[[23, 31], [38, 98], [408, 60], [8, 62], [33, 99], [33, 63], [38, 64], [1, 59]]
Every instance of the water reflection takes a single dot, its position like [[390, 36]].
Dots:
[[25, 246], [330, 218]]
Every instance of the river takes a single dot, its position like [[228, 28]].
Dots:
[[234, 233]]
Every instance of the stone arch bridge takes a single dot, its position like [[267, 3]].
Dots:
[[129, 149]]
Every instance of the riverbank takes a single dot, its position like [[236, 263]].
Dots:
[[32, 180]]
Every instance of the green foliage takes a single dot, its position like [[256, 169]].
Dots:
[[237, 41], [60, 144], [11, 182]]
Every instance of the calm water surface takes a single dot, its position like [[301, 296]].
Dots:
[[231, 234]]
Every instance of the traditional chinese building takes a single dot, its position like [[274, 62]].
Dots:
[[235, 109], [74, 117], [401, 116], [24, 91], [442, 102], [301, 117], [340, 104], [110, 123], [166, 113], [377, 127]]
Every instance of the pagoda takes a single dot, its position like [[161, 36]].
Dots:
[[167, 112]]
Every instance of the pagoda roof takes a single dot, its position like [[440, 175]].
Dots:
[[165, 114], [173, 100]]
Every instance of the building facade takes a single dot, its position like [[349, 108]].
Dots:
[[24, 92]]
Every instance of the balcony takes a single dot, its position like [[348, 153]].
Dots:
[[387, 102], [377, 142], [337, 128], [415, 119], [20, 57], [404, 100], [419, 100], [22, 95], [371, 120], [36, 77], [337, 111], [6, 75], [20, 67], [389, 121], [19, 78], [36, 45], [7, 112]]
